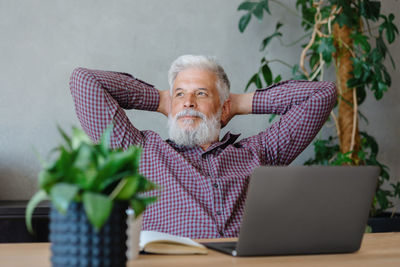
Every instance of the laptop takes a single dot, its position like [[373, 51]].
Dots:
[[304, 210]]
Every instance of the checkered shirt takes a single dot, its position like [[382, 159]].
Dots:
[[202, 192]]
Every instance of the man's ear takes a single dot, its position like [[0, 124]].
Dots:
[[226, 113]]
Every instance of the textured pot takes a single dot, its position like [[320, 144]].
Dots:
[[74, 241]]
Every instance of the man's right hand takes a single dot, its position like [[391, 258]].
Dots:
[[164, 105], [239, 104]]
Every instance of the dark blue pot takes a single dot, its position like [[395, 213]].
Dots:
[[385, 223], [74, 241]]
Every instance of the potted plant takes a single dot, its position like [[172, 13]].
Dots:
[[350, 39], [90, 187]]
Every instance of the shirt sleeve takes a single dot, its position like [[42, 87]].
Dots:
[[304, 106], [101, 96]]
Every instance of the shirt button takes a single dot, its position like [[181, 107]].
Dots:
[[219, 212], [215, 185]]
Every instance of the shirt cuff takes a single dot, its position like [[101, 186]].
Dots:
[[151, 98], [260, 102]]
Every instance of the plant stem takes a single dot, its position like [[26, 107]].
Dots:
[[117, 189], [355, 106], [336, 122], [280, 61], [294, 42], [319, 69]]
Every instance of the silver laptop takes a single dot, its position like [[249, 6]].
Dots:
[[304, 210]]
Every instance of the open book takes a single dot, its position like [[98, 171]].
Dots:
[[162, 243]]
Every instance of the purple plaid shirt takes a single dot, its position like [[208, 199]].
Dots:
[[202, 192]]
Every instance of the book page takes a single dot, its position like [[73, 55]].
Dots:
[[154, 236]]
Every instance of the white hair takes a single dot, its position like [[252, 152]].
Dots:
[[204, 63]]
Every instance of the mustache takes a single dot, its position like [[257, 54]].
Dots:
[[190, 112]]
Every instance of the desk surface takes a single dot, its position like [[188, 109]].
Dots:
[[376, 250]]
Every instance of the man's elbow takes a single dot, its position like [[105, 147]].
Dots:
[[78, 73], [330, 92], [79, 76]]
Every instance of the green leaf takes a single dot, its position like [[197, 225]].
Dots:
[[97, 207], [380, 51], [65, 136], [138, 207], [370, 142], [353, 82], [389, 27], [271, 118], [258, 82], [117, 162], [267, 74], [343, 158], [358, 67], [255, 8], [382, 197], [370, 9], [145, 185], [396, 189], [324, 151], [326, 47], [85, 157], [253, 79], [342, 19], [314, 60], [126, 188], [79, 137], [64, 162], [244, 21], [361, 95], [268, 39], [258, 11], [33, 202], [139, 204], [46, 180], [308, 13], [105, 142], [349, 15], [247, 6], [61, 195], [386, 76], [264, 4], [362, 116], [362, 41], [278, 79]]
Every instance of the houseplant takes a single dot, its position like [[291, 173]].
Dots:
[[90, 187], [338, 32]]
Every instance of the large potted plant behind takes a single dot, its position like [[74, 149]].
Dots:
[[90, 187], [353, 35]]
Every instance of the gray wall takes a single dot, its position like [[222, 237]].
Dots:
[[43, 41]]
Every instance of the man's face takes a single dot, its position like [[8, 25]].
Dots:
[[194, 89]]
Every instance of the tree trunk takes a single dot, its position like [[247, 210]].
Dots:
[[344, 67]]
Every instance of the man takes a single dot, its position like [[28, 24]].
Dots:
[[203, 179]]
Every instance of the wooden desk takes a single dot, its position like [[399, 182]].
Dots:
[[376, 250]]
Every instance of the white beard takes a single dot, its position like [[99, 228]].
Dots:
[[206, 132]]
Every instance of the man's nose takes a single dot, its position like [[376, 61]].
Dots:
[[190, 101]]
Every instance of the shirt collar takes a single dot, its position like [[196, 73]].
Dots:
[[228, 139]]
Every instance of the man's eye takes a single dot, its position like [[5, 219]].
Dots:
[[179, 94], [202, 93]]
